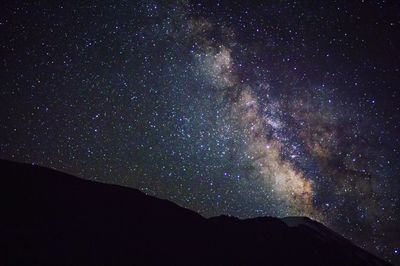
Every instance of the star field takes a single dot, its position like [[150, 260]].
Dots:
[[282, 108]]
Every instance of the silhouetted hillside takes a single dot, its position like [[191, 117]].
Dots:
[[51, 218]]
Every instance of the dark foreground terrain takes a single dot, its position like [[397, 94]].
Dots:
[[51, 218]]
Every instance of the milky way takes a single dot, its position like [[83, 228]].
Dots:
[[263, 151], [244, 109]]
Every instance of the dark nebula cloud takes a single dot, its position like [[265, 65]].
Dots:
[[282, 108]]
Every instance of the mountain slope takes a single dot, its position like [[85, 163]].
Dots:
[[51, 218]]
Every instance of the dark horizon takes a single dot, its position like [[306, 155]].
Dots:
[[52, 218]]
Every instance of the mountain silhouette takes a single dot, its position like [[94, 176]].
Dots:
[[52, 218]]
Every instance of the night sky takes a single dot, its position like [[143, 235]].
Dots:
[[283, 108]]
